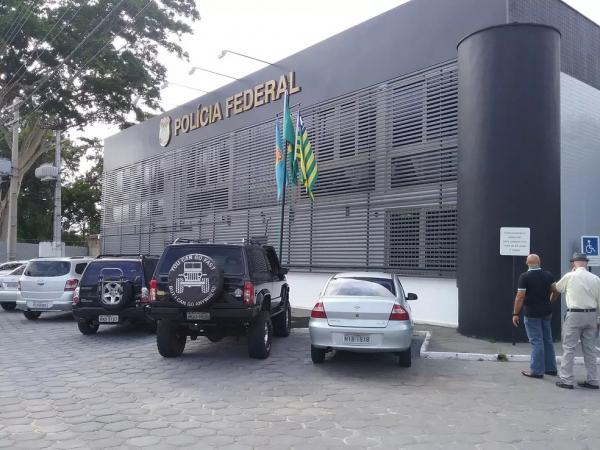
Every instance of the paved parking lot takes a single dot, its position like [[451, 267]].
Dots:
[[60, 389]]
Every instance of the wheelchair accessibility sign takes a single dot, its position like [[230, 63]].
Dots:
[[589, 245]]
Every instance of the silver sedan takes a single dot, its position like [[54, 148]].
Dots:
[[362, 312]]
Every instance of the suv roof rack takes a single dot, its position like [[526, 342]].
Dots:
[[181, 240], [125, 255], [256, 240]]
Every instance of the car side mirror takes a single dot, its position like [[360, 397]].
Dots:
[[411, 296], [284, 270]]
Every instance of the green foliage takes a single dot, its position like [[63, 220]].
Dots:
[[114, 70], [81, 195]]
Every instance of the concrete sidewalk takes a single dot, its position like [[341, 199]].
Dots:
[[447, 341], [444, 339]]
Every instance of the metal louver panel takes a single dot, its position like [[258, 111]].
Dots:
[[385, 199]]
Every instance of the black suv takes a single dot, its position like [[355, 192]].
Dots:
[[112, 289], [218, 290]]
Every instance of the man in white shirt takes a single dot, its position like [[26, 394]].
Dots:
[[582, 289]]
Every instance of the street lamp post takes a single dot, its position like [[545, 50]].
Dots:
[[225, 52], [193, 69], [49, 172]]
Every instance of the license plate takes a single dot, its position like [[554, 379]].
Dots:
[[108, 319], [198, 316], [39, 305], [357, 339]]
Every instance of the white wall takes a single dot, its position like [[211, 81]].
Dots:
[[437, 303]]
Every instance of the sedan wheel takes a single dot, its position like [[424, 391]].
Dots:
[[8, 306], [32, 315], [405, 358], [317, 354]]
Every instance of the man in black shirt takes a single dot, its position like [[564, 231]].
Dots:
[[535, 295]]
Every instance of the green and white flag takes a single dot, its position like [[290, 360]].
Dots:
[[306, 158]]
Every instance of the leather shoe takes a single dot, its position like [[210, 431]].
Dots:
[[532, 375], [560, 384], [585, 384], [552, 373]]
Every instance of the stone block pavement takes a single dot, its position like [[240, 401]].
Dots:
[[60, 389]]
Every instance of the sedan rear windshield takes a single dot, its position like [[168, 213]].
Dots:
[[361, 287], [47, 268], [229, 259], [112, 270]]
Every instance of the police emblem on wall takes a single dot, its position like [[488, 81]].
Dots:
[[164, 132], [195, 280]]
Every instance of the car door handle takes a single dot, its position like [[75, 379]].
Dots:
[[41, 283]]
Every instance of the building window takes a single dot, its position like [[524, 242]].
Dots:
[[422, 241], [428, 166]]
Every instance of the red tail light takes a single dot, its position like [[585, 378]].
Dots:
[[318, 312], [18, 285], [399, 313], [71, 284], [153, 288], [248, 293], [76, 296]]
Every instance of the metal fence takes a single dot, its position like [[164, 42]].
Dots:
[[27, 250], [386, 195]]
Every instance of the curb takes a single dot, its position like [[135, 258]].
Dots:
[[425, 354]]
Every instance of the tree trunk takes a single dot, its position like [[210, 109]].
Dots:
[[33, 144]]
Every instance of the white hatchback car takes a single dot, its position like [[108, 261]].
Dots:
[[362, 312], [8, 267], [47, 284], [8, 288]]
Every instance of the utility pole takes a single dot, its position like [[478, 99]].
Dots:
[[13, 193], [57, 194]]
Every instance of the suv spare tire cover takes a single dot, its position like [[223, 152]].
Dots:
[[195, 280]]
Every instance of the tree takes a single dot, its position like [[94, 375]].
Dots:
[[80, 62], [82, 196]]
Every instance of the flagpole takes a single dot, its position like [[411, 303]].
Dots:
[[282, 202]]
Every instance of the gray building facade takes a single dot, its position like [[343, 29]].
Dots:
[[381, 105]]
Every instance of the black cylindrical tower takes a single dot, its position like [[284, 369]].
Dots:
[[508, 169]]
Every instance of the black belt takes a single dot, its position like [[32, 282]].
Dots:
[[581, 310]]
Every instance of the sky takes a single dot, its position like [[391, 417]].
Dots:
[[256, 28]]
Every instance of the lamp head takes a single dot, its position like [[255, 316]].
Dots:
[[192, 70], [222, 54]]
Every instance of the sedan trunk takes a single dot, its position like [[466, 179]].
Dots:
[[371, 312]]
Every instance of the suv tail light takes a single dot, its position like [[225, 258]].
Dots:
[[318, 312], [76, 296], [399, 313], [153, 288], [248, 293], [71, 284]]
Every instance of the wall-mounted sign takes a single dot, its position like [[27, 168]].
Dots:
[[241, 102], [164, 133], [589, 245], [515, 241]]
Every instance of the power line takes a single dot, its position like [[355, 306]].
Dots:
[[8, 85], [89, 60], [17, 28], [55, 70], [10, 29]]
